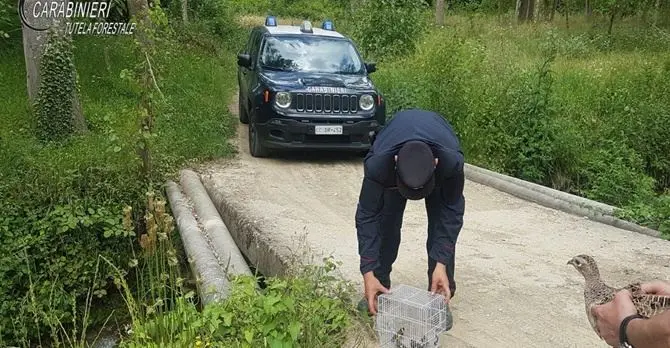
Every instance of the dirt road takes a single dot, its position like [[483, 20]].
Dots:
[[514, 286]]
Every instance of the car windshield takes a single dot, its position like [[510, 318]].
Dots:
[[310, 54]]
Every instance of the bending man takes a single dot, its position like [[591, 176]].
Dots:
[[415, 156]]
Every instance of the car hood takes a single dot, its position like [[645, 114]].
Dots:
[[308, 81]]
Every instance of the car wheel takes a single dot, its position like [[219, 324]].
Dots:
[[256, 148], [244, 116]]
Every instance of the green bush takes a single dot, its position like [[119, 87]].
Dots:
[[625, 180], [308, 308], [217, 15], [653, 214], [314, 10], [388, 28]]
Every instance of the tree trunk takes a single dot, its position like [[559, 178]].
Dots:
[[588, 11], [439, 12], [33, 47], [525, 10], [184, 11], [136, 7], [611, 24], [530, 10], [554, 5], [541, 9]]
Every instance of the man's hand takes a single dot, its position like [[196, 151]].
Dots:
[[610, 315], [372, 288], [440, 282], [657, 288]]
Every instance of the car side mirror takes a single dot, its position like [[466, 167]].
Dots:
[[244, 60], [371, 67]]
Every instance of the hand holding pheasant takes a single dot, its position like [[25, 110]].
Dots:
[[647, 300]]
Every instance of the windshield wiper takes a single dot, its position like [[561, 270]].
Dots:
[[274, 68]]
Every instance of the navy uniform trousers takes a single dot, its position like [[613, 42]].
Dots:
[[391, 223]]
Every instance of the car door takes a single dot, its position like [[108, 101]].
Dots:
[[253, 78], [244, 72]]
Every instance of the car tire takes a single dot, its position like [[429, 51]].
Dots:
[[256, 148], [244, 116]]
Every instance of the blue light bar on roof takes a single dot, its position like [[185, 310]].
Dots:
[[270, 21], [306, 27], [328, 25]]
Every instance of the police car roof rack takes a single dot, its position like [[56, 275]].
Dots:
[[306, 27], [328, 25], [270, 21]]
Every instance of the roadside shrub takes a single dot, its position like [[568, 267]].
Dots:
[[612, 173], [635, 106], [314, 10], [217, 16], [653, 214], [388, 28], [309, 308], [60, 212], [50, 264], [401, 88]]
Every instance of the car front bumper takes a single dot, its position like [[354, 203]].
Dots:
[[280, 133]]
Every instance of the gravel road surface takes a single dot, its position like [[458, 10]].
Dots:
[[514, 286]]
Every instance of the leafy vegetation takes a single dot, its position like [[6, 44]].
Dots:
[[375, 39], [307, 308], [579, 103], [62, 201]]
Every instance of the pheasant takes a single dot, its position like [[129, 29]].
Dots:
[[596, 292]]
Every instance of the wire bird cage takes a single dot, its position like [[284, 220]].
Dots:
[[408, 317]]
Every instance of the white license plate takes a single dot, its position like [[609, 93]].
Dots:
[[327, 130]]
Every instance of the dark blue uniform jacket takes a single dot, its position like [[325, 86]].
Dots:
[[379, 174]]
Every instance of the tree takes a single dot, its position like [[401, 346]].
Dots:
[[439, 12], [184, 11], [525, 9], [34, 40], [554, 5], [137, 7], [588, 9], [618, 8]]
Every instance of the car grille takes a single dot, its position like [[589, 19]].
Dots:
[[326, 103]]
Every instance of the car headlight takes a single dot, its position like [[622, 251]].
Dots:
[[283, 99], [366, 102]]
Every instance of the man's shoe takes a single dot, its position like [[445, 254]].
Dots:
[[363, 306], [449, 319]]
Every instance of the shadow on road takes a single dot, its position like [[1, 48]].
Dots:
[[317, 156]]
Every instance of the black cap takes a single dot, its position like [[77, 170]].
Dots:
[[415, 170]]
